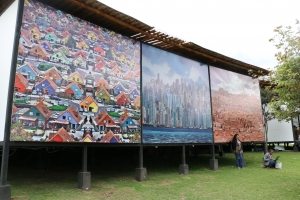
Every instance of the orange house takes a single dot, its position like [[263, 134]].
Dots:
[[89, 104], [20, 83], [61, 136]]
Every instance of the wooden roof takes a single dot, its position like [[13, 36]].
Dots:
[[4, 5], [100, 14]]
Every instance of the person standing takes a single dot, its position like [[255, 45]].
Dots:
[[238, 151]]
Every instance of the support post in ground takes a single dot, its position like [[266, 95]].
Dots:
[[84, 177], [141, 171], [183, 167]]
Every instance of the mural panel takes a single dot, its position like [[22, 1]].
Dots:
[[236, 106], [75, 81], [176, 99]]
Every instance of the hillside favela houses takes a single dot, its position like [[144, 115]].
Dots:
[[75, 81], [88, 73]]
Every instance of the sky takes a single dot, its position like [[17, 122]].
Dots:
[[233, 83], [240, 29], [170, 67]]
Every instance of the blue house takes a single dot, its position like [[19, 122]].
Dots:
[[133, 94], [46, 46], [128, 124], [28, 71], [118, 89], [42, 22], [72, 116], [73, 90], [46, 86]]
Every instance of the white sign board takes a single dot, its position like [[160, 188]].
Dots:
[[7, 33], [280, 131]]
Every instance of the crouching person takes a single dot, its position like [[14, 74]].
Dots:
[[268, 160]]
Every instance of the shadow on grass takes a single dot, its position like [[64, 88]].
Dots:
[[104, 164]]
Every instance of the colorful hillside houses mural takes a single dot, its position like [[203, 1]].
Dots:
[[75, 81]]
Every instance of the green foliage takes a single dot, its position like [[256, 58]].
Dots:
[[285, 78], [114, 114], [20, 101], [58, 108], [287, 42], [44, 66]]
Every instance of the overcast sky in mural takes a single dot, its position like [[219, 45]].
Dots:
[[235, 28], [233, 83], [171, 67]]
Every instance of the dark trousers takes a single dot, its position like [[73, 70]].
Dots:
[[239, 159]]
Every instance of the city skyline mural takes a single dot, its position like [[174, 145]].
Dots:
[[236, 106], [75, 81], [176, 98]]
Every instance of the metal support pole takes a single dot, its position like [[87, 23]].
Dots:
[[141, 157], [84, 159], [5, 192], [5, 147], [213, 162], [141, 172], [84, 177], [183, 155], [183, 167]]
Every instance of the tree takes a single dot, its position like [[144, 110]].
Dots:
[[285, 79]]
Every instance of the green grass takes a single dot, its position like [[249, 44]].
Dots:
[[252, 182]]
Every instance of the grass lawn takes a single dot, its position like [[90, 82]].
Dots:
[[252, 182]]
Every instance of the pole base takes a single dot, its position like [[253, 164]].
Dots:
[[141, 174], [5, 192], [213, 164], [84, 180], [183, 169]]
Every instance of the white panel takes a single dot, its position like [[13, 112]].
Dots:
[[7, 33], [280, 131]]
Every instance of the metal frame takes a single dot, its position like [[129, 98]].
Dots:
[[5, 144], [211, 110]]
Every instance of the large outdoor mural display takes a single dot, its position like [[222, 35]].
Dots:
[[176, 99], [75, 81], [79, 82], [236, 106]]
